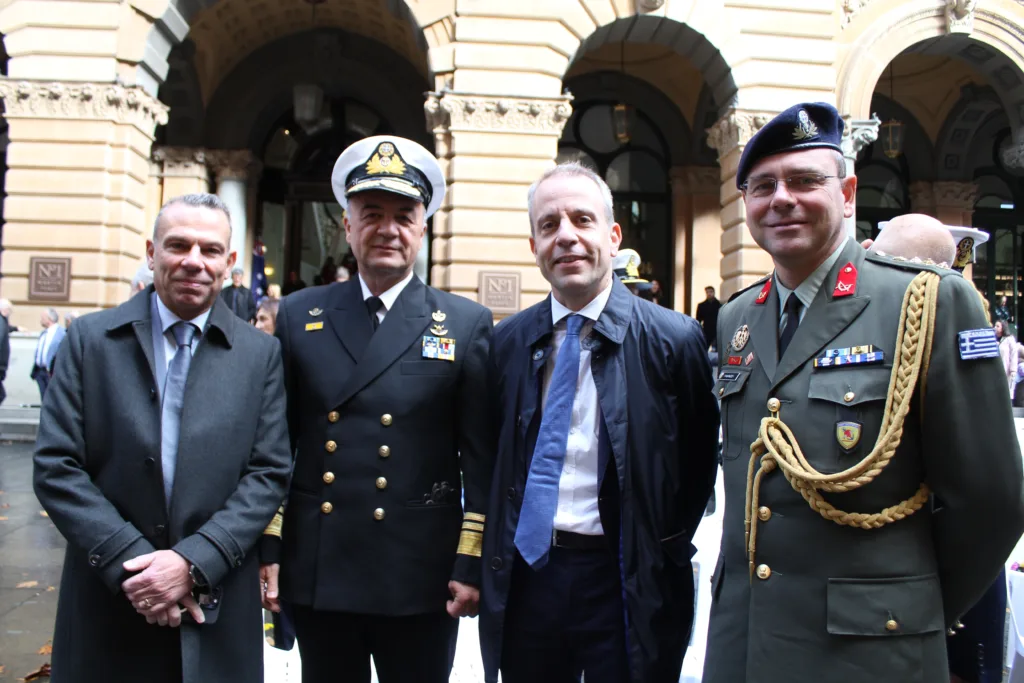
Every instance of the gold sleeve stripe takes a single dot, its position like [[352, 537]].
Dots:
[[274, 528], [472, 526], [475, 517], [471, 543]]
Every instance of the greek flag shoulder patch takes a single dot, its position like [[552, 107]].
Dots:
[[978, 344]]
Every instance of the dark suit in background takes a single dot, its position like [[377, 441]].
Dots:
[[386, 443], [44, 358], [98, 473], [5, 354], [239, 300], [707, 316]]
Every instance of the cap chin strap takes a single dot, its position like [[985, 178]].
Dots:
[[777, 447]]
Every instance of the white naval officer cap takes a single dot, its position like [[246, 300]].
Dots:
[[391, 164]]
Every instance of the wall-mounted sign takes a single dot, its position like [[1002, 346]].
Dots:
[[49, 279], [499, 290]]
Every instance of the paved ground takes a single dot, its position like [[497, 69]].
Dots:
[[31, 554]]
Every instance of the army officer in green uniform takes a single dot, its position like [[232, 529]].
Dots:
[[872, 473]]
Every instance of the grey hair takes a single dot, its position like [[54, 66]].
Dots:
[[840, 165], [201, 200], [143, 277], [52, 314], [237, 270], [573, 169], [5, 305], [70, 317]]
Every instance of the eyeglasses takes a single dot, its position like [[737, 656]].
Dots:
[[762, 188]]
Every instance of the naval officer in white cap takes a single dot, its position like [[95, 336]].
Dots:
[[388, 413]]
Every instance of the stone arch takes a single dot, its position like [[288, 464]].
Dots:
[[995, 47], [681, 38], [975, 108], [429, 25]]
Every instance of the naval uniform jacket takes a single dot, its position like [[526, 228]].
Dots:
[[819, 604], [653, 382], [386, 441]]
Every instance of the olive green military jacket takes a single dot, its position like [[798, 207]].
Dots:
[[837, 604]]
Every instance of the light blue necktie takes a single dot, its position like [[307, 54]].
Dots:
[[537, 517], [173, 399]]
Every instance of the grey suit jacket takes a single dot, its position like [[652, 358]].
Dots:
[[821, 614], [98, 474]]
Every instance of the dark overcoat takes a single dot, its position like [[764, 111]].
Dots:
[[388, 443], [98, 474], [830, 603], [653, 381]]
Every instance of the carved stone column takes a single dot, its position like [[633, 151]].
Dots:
[[954, 202], [491, 149], [84, 201], [742, 260], [234, 170], [857, 136]]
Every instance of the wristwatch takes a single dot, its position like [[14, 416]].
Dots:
[[199, 583]]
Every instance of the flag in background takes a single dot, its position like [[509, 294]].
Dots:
[[259, 278]]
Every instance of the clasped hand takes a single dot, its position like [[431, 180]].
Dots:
[[161, 588]]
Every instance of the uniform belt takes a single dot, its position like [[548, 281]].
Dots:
[[574, 541]]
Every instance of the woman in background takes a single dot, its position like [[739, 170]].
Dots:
[[266, 315], [1008, 353]]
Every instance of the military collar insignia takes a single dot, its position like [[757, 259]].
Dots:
[[846, 281], [805, 128], [765, 291]]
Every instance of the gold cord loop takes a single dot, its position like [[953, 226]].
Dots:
[[776, 446]]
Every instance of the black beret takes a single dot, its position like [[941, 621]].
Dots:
[[808, 125]]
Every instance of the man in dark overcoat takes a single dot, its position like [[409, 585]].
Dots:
[[606, 459], [882, 492], [238, 297], [162, 455], [387, 408]]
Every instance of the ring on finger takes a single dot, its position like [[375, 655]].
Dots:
[[146, 603]]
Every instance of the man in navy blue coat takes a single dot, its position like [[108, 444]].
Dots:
[[606, 459]]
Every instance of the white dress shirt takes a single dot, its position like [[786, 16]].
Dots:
[[43, 347], [166, 352], [388, 298], [577, 509]]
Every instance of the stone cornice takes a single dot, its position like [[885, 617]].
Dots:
[[448, 111], [735, 129], [103, 101], [181, 162]]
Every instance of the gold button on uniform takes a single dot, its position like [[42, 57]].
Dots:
[[333, 416], [763, 571], [773, 405], [764, 513], [721, 391], [385, 419], [849, 396], [382, 483], [384, 451], [378, 514], [328, 477], [891, 625], [331, 446], [326, 508]]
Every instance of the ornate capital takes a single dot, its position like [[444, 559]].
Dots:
[[185, 162], [697, 179], [1013, 156], [858, 134], [448, 111], [735, 129], [850, 9], [105, 101], [233, 164], [960, 15], [961, 195]]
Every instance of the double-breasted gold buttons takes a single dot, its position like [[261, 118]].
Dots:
[[764, 513], [378, 514], [328, 477], [333, 416], [326, 508], [386, 419], [763, 572], [382, 483], [384, 451], [331, 446]]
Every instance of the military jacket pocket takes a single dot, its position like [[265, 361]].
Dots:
[[729, 391], [899, 606], [850, 387], [848, 403]]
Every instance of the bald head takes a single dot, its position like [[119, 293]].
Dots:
[[917, 236]]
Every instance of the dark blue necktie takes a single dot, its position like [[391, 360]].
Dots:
[[173, 400], [537, 517]]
